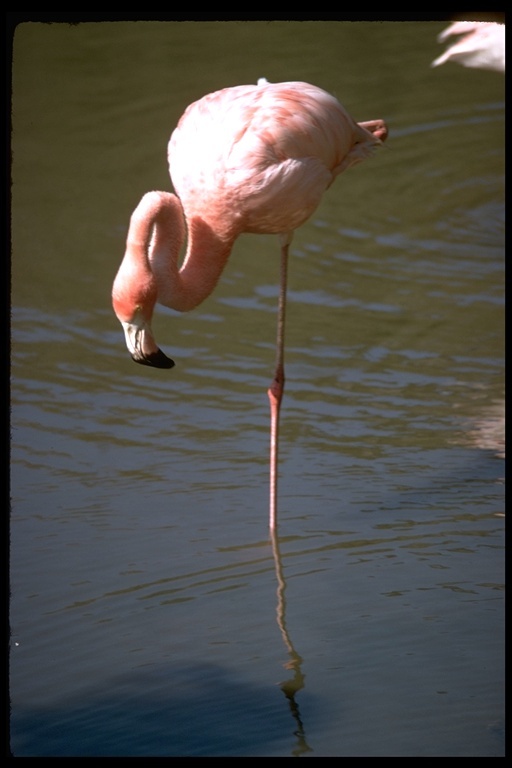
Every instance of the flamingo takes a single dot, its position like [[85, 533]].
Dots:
[[481, 45], [250, 158]]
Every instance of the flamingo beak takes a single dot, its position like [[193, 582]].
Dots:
[[141, 344]]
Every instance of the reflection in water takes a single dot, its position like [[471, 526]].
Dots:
[[488, 432], [296, 682]]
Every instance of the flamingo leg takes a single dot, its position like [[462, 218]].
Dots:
[[275, 392]]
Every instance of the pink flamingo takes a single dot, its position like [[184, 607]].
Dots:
[[253, 158], [480, 44]]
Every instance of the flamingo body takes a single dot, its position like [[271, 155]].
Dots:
[[252, 158], [259, 158], [480, 45]]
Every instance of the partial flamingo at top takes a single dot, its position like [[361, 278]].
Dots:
[[480, 45]]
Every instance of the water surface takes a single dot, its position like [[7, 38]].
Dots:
[[150, 613]]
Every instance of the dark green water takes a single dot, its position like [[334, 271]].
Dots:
[[143, 583]]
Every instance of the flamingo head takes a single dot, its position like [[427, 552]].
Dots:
[[135, 317]]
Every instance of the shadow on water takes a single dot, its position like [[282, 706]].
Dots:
[[171, 710]]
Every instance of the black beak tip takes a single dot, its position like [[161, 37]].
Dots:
[[155, 360]]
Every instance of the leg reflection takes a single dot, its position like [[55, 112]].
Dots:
[[292, 686]]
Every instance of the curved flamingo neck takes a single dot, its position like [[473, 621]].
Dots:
[[158, 226]]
